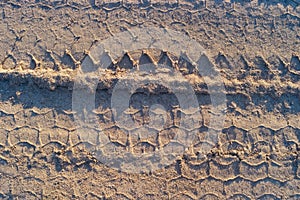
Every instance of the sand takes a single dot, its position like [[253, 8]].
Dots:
[[255, 47]]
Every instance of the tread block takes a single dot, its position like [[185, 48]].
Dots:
[[210, 186], [7, 121], [238, 186], [23, 135], [196, 172], [291, 188], [180, 184], [33, 119], [253, 172], [54, 135], [286, 140], [84, 135], [261, 139], [5, 184], [291, 134], [183, 195], [224, 172], [234, 134], [65, 121], [283, 172], [261, 134], [239, 197], [3, 137], [267, 189], [210, 197]]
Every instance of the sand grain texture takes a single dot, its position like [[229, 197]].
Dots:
[[255, 45]]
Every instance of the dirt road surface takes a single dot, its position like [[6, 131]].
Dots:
[[253, 44]]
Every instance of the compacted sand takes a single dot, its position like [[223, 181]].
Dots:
[[255, 46]]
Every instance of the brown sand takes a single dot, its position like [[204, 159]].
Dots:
[[256, 48]]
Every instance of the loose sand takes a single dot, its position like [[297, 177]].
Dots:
[[255, 46]]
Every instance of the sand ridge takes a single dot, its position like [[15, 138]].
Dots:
[[255, 47]]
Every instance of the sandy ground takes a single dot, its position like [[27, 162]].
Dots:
[[255, 46]]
